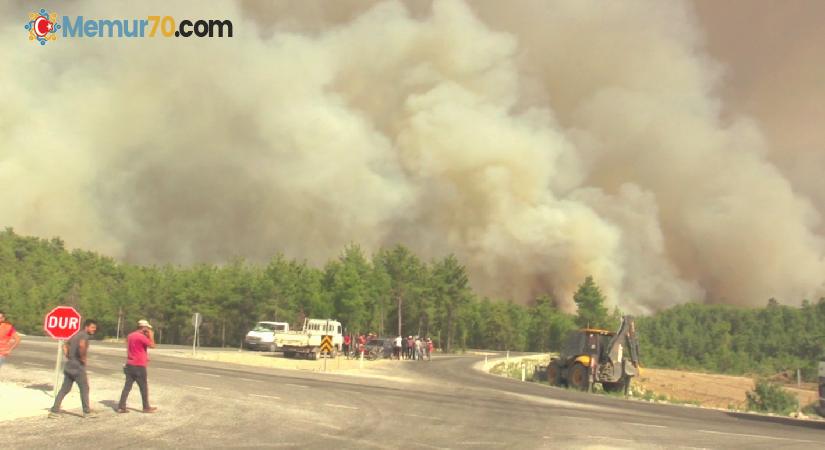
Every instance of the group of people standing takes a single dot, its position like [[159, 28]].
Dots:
[[409, 348], [413, 348]]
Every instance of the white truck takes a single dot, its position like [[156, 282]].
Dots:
[[307, 341], [262, 336]]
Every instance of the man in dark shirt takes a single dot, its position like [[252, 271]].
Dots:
[[74, 371], [135, 369]]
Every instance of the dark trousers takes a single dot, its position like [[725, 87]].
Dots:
[[135, 374], [79, 377]]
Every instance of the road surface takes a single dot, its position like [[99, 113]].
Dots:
[[428, 405]]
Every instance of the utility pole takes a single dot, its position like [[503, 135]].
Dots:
[[119, 322]]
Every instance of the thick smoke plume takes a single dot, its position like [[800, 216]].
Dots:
[[541, 142]]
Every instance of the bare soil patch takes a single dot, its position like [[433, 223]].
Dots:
[[711, 390]]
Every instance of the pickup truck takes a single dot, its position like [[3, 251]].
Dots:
[[307, 341], [262, 337]]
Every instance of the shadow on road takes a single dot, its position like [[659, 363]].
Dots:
[[45, 387], [111, 404]]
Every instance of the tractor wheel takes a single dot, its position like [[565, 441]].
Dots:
[[613, 387], [554, 374], [579, 378]]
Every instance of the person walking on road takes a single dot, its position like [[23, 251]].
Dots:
[[429, 349], [76, 350], [8, 338], [137, 344]]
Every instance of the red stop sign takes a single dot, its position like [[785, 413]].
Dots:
[[62, 322]]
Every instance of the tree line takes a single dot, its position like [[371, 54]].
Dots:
[[390, 292]]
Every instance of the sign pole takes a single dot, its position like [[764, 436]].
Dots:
[[57, 364], [196, 322], [61, 323]]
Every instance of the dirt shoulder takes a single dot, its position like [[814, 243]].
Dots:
[[27, 392], [711, 390], [278, 361]]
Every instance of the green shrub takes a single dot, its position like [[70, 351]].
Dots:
[[770, 397]]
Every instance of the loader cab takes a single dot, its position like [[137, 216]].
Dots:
[[587, 341]]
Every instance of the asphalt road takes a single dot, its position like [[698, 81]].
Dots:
[[444, 403]]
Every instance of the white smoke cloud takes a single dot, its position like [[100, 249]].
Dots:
[[540, 143]]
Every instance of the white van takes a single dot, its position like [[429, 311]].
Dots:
[[262, 337]]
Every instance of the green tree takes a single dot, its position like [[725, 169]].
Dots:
[[450, 290], [548, 326], [346, 283], [406, 280], [590, 305]]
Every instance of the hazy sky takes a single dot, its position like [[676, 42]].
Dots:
[[773, 52], [671, 149]]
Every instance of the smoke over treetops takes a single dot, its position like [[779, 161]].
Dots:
[[540, 143]]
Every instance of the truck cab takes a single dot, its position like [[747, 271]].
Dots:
[[262, 336]]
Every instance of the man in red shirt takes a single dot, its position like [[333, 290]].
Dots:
[[8, 338], [135, 369], [347, 342]]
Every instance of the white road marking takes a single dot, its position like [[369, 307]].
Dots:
[[171, 370], [33, 364], [574, 417], [758, 436], [644, 425], [612, 438], [247, 379], [416, 416], [265, 396], [474, 443], [208, 374], [421, 444], [318, 424], [334, 405], [198, 387], [296, 385]]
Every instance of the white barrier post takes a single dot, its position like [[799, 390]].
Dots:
[[523, 371]]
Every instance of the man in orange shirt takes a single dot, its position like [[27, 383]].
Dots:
[[8, 338]]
